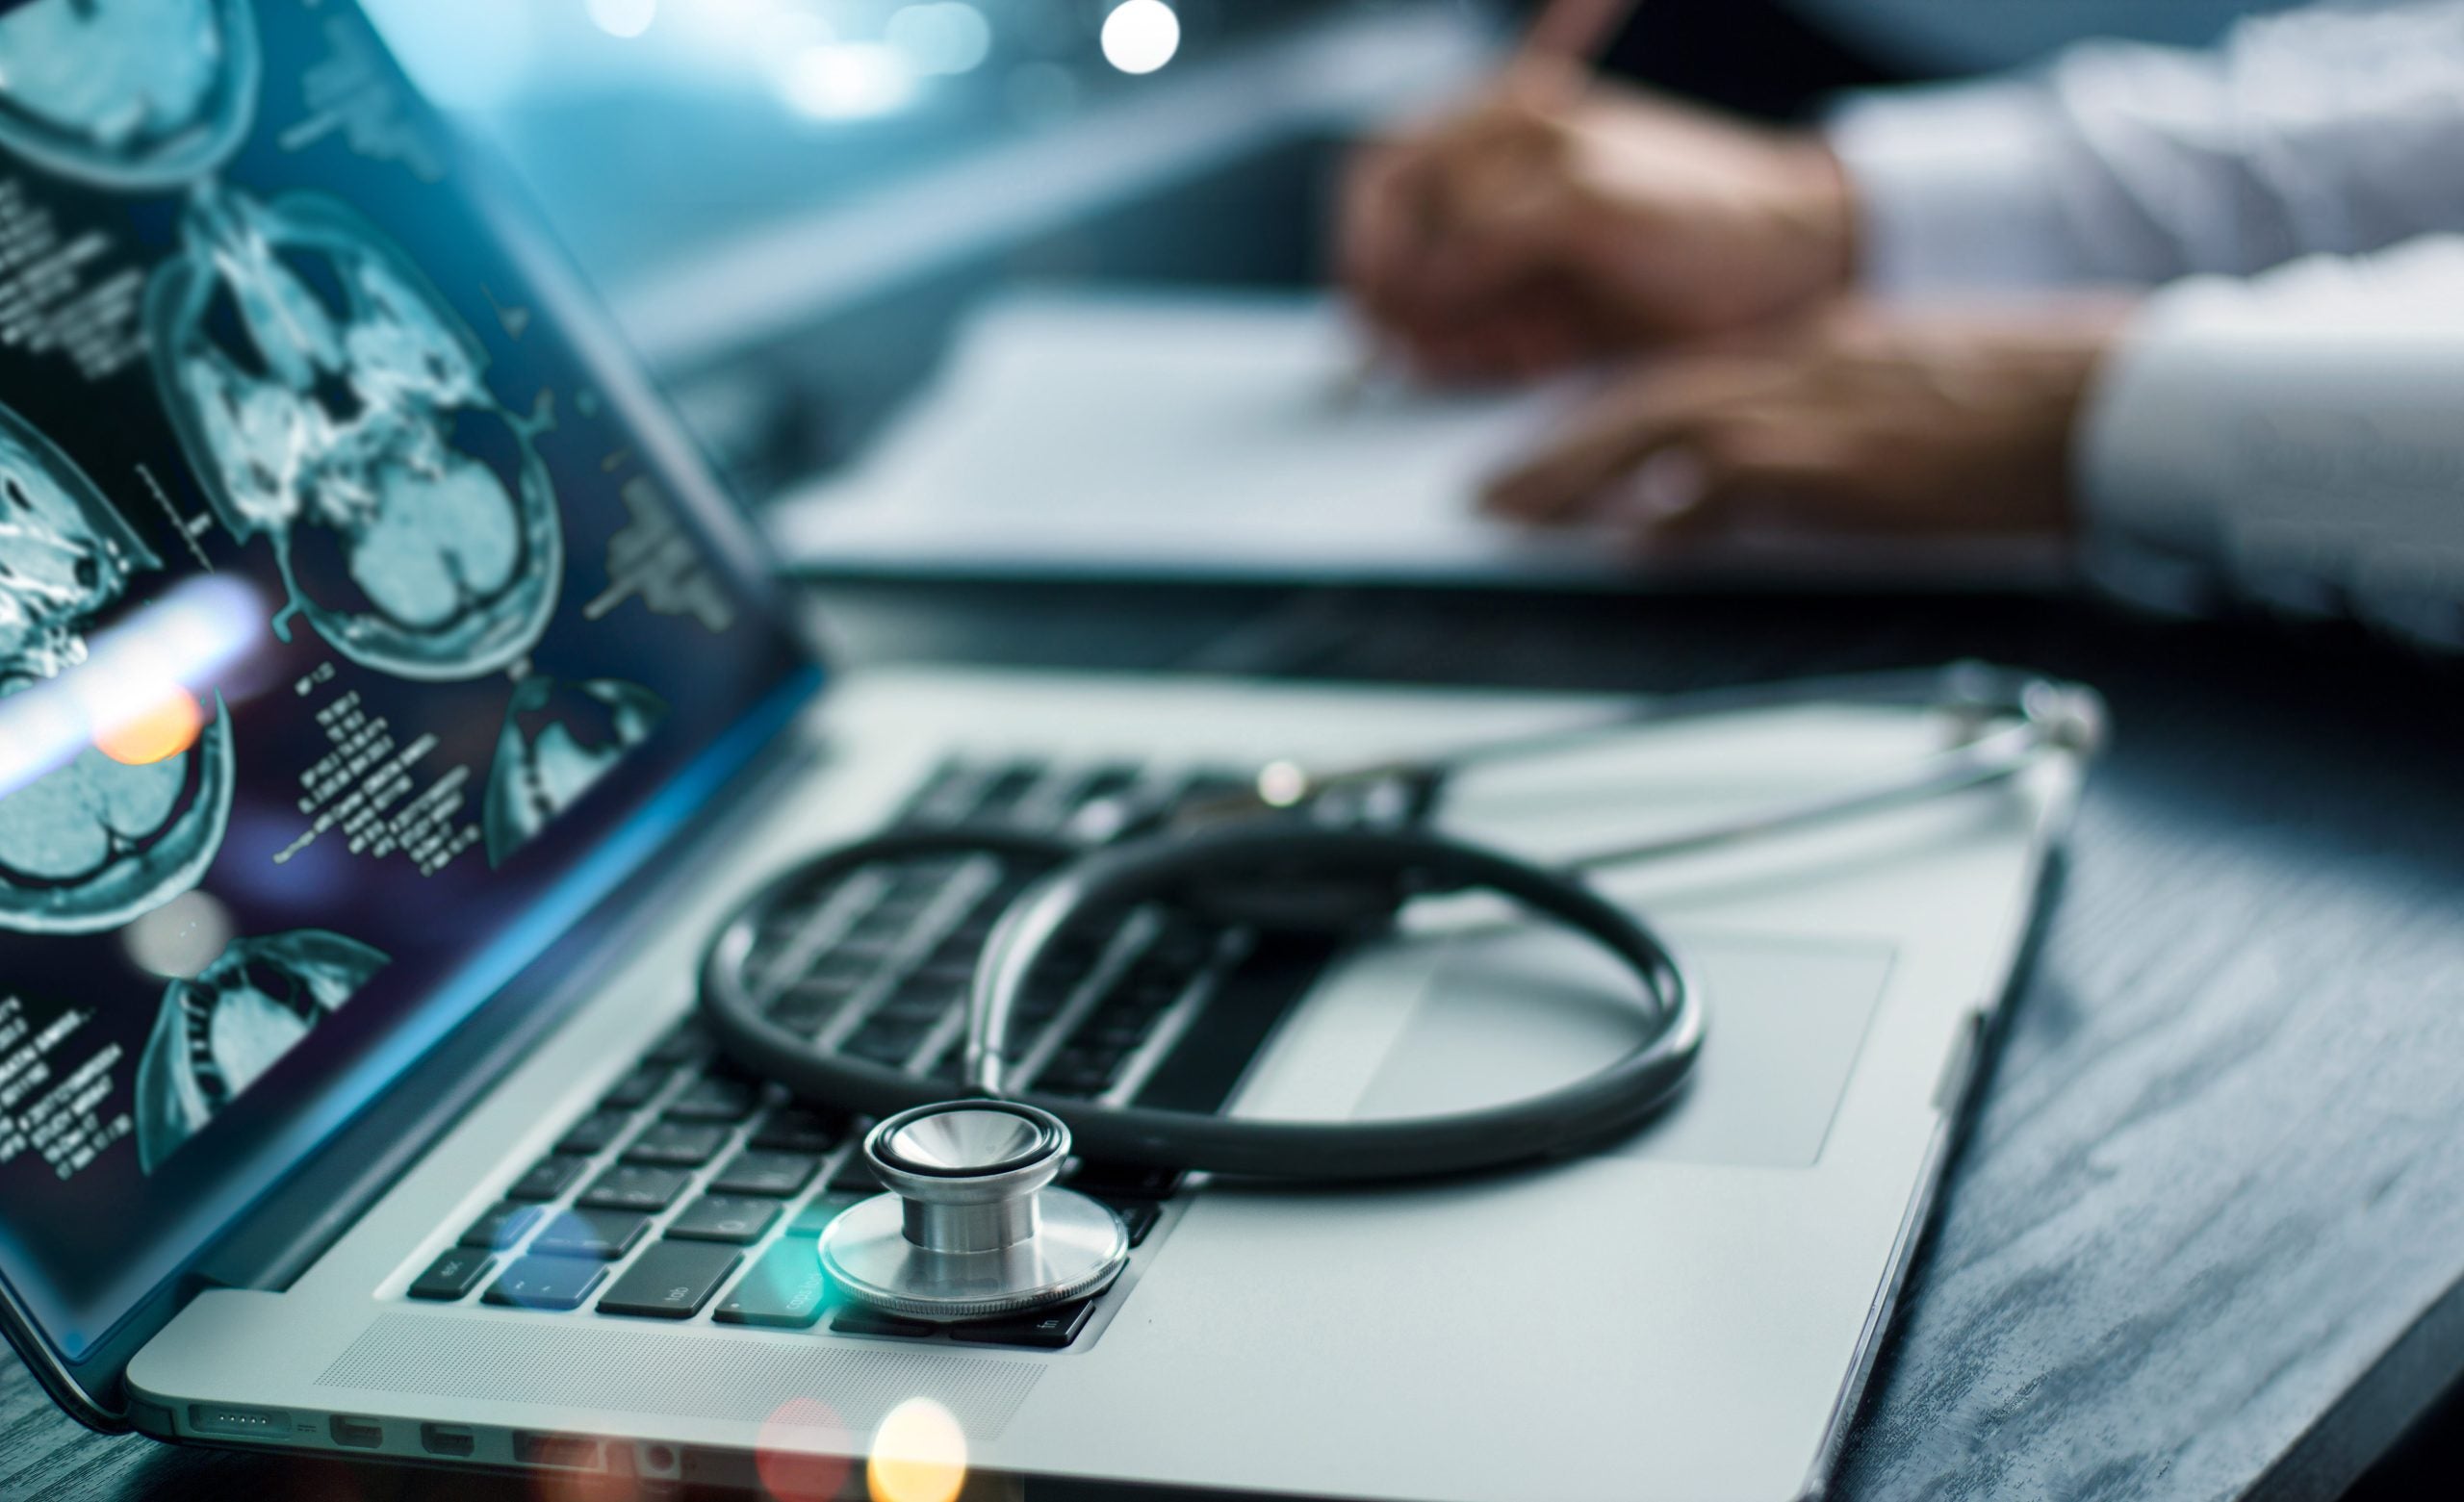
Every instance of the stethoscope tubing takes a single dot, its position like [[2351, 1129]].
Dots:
[[1602, 1106], [2047, 717]]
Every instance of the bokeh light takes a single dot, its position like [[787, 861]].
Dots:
[[941, 37], [847, 80], [919, 1454], [157, 731], [623, 17], [784, 34], [612, 1485], [181, 937], [792, 1473], [137, 692], [1141, 35]]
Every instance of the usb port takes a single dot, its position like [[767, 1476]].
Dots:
[[360, 1434], [562, 1451], [446, 1439]]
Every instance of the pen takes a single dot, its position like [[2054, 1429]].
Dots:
[[1563, 39]]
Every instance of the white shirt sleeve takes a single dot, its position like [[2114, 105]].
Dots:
[[2326, 129], [2298, 437]]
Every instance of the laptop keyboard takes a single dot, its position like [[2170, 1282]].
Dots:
[[688, 1192]]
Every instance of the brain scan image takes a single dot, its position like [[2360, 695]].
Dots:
[[335, 404], [222, 1028], [127, 93], [558, 740], [100, 841]]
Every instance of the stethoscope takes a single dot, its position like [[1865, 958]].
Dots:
[[972, 1227]]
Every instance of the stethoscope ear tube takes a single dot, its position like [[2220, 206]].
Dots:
[[1178, 869]]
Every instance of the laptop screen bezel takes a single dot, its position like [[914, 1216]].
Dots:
[[89, 1386]]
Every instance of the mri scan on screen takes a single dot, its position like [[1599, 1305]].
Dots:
[[558, 740], [129, 94], [98, 841], [222, 1028], [335, 404]]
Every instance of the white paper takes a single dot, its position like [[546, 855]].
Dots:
[[1179, 435]]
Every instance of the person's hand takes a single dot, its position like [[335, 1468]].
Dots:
[[1860, 421], [1559, 220]]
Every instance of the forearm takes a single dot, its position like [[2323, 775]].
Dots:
[[2325, 130], [2292, 437]]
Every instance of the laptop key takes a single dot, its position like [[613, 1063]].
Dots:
[[603, 1234], [635, 1187], [917, 1004], [451, 1276], [677, 1144], [822, 995], [1079, 1072], [1049, 1330], [596, 1133], [794, 1130], [1112, 1031], [775, 1175], [815, 1219], [1128, 1181], [856, 1177], [723, 1217], [501, 1226], [1140, 1220], [548, 1178], [686, 1044], [634, 1091], [553, 1283], [783, 1290], [805, 1021], [858, 1321], [847, 973], [883, 1042], [717, 1098], [671, 1280]]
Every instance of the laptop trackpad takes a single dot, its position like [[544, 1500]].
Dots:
[[1510, 1011]]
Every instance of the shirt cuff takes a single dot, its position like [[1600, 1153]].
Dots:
[[1956, 188], [2290, 440]]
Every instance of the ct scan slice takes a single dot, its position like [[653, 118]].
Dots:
[[558, 740], [114, 831], [127, 94], [334, 404], [222, 1028]]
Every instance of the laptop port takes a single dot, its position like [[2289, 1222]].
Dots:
[[213, 1419], [446, 1439], [564, 1452], [359, 1434]]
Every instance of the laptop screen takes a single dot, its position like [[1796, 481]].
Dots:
[[351, 640]]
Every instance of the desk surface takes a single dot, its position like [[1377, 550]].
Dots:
[[2206, 1237]]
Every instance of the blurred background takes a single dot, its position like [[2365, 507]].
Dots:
[[790, 203]]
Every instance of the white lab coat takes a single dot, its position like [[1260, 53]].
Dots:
[[2285, 416]]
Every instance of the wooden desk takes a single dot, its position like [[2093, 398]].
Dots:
[[2207, 1236]]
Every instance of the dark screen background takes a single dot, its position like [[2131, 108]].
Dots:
[[332, 116]]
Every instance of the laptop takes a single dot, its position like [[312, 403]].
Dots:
[[392, 710]]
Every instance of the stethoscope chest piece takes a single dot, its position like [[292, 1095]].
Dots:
[[972, 1228]]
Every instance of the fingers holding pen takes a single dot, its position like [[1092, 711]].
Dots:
[[1441, 234]]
